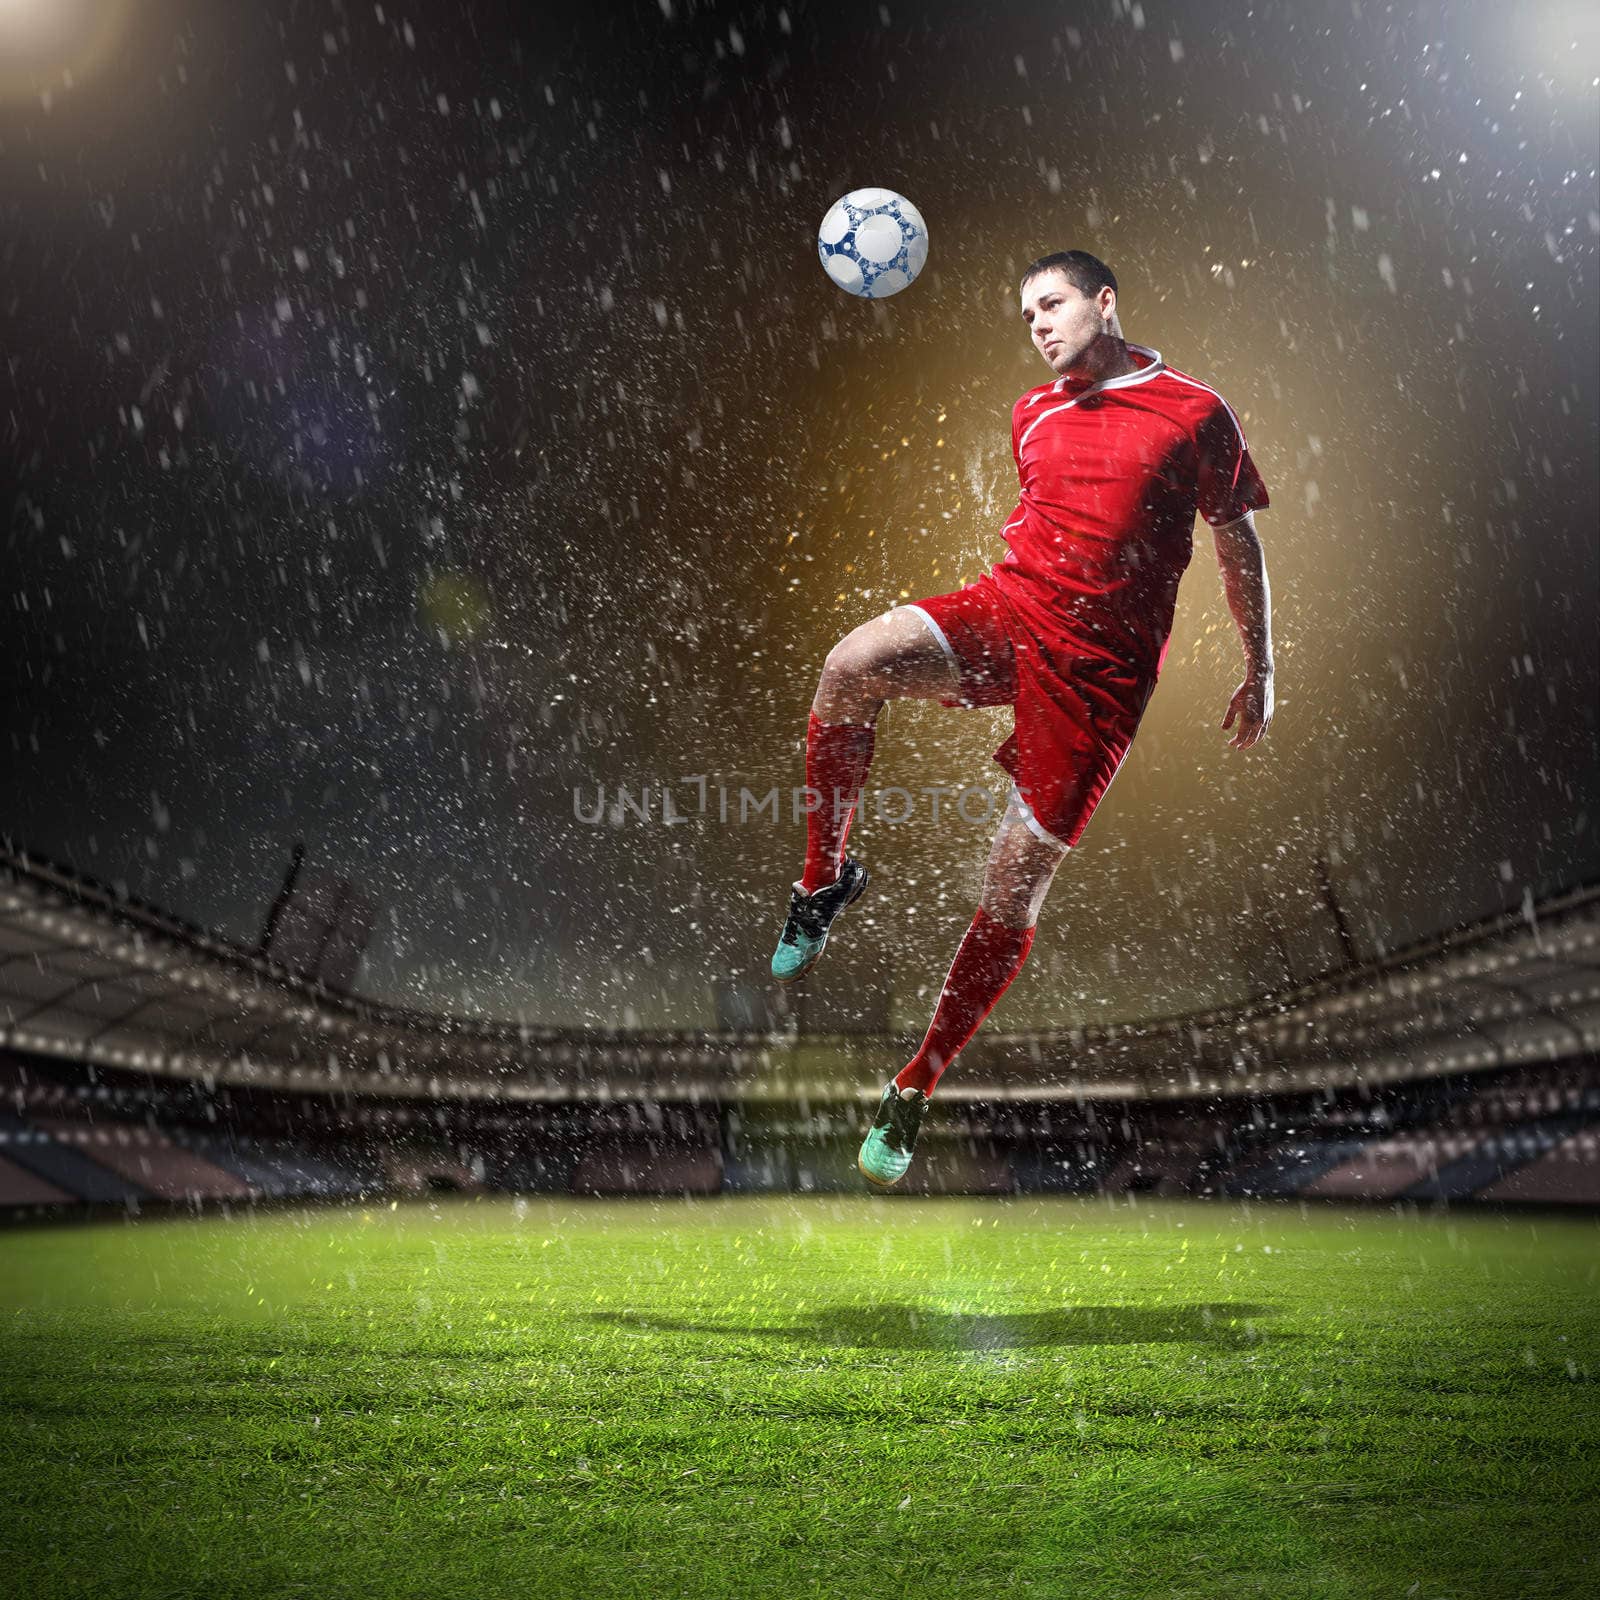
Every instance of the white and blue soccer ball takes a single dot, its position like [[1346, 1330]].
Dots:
[[873, 243]]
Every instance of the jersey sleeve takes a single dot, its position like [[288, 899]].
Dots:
[[1230, 485]]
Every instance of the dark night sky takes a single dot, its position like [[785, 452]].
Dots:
[[413, 418]]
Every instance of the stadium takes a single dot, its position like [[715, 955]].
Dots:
[[153, 1067], [485, 483], [650, 1323]]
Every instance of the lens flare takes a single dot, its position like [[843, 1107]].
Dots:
[[49, 45], [454, 605]]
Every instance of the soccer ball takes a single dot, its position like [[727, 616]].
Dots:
[[873, 243]]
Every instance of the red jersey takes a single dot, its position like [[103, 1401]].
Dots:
[[1112, 474]]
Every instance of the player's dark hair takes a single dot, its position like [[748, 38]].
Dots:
[[1086, 273]]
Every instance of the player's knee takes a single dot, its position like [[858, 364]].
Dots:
[[850, 661], [1006, 890], [1018, 878], [1012, 911]]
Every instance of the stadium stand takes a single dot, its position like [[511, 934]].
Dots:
[[280, 1169], [22, 1190], [1566, 1174], [65, 1166], [148, 1159], [750, 1169], [430, 1172], [145, 1063], [1167, 1159], [1383, 1169], [640, 1167]]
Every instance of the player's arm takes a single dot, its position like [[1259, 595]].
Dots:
[[1244, 578]]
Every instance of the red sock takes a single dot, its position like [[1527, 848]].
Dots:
[[990, 956], [837, 757]]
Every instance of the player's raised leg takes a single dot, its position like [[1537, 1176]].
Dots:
[[894, 656], [1021, 868]]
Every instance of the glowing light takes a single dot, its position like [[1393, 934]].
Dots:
[[1558, 41], [50, 45], [454, 604]]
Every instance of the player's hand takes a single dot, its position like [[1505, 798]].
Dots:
[[1252, 705]]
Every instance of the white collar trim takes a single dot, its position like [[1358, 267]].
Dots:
[[1152, 367]]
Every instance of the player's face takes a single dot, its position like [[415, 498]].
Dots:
[[1062, 321]]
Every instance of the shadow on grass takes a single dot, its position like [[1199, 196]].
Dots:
[[904, 1327]]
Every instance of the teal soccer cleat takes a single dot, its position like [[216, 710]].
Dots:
[[886, 1150], [805, 930]]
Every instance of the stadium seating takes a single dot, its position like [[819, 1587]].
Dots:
[[950, 1167], [1566, 1174], [24, 1190], [278, 1169], [1381, 1170], [643, 1168], [148, 1159], [1167, 1160], [65, 1165], [1518, 1138], [750, 1169], [145, 1063]]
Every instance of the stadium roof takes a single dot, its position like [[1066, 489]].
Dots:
[[90, 976]]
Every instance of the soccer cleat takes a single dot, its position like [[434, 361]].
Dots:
[[886, 1150], [805, 930]]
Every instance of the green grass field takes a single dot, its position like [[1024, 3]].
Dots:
[[794, 1397]]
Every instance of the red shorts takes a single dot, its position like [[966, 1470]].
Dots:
[[1076, 710]]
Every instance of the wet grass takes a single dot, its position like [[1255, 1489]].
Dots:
[[782, 1398]]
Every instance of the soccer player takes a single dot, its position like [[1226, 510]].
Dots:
[[1115, 455]]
